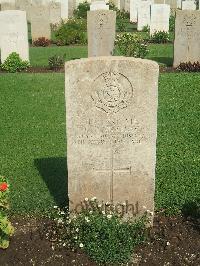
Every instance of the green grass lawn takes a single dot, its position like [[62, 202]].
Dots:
[[161, 53], [33, 142]]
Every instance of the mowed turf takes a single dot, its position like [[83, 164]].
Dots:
[[33, 140], [162, 53]]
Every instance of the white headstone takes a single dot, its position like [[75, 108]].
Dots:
[[160, 14], [127, 6], [64, 9], [134, 10], [24, 5], [179, 4], [7, 5], [143, 14], [99, 5], [111, 109], [40, 21], [55, 11], [13, 34], [101, 32], [189, 5], [187, 37]]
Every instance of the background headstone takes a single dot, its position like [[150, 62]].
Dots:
[[143, 14], [40, 21], [189, 5], [179, 4], [101, 32], [187, 37], [134, 10], [127, 5], [55, 11], [160, 14], [64, 9], [7, 5], [111, 106], [13, 34], [24, 5], [99, 5]]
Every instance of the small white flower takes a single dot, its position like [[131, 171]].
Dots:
[[62, 212], [168, 243], [81, 245], [100, 205], [87, 219], [77, 229], [109, 216], [75, 237], [86, 199], [64, 244], [103, 212], [93, 199], [55, 207], [90, 211]]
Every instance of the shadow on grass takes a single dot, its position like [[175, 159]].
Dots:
[[168, 61], [54, 173], [191, 210]]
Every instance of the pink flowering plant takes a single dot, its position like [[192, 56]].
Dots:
[[103, 235], [6, 229]]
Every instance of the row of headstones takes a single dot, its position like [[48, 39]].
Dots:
[[146, 13], [101, 34], [55, 9]]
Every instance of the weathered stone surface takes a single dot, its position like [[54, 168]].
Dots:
[[179, 4], [55, 11], [13, 34], [71, 7], [122, 5], [143, 14], [24, 5], [7, 5], [64, 9], [160, 14], [40, 21], [171, 3], [99, 5], [187, 37], [134, 4], [127, 5], [111, 106], [189, 5], [101, 32]]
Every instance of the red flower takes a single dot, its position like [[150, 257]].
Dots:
[[3, 186]]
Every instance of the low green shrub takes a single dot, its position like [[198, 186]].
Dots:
[[131, 45], [71, 32], [146, 28], [56, 62], [81, 11], [189, 67], [121, 25], [6, 229], [42, 41], [104, 237], [172, 23], [14, 63], [160, 37]]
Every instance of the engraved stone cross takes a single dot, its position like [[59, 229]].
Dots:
[[112, 170]]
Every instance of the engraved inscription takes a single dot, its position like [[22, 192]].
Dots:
[[189, 22], [110, 132], [101, 21], [113, 92]]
